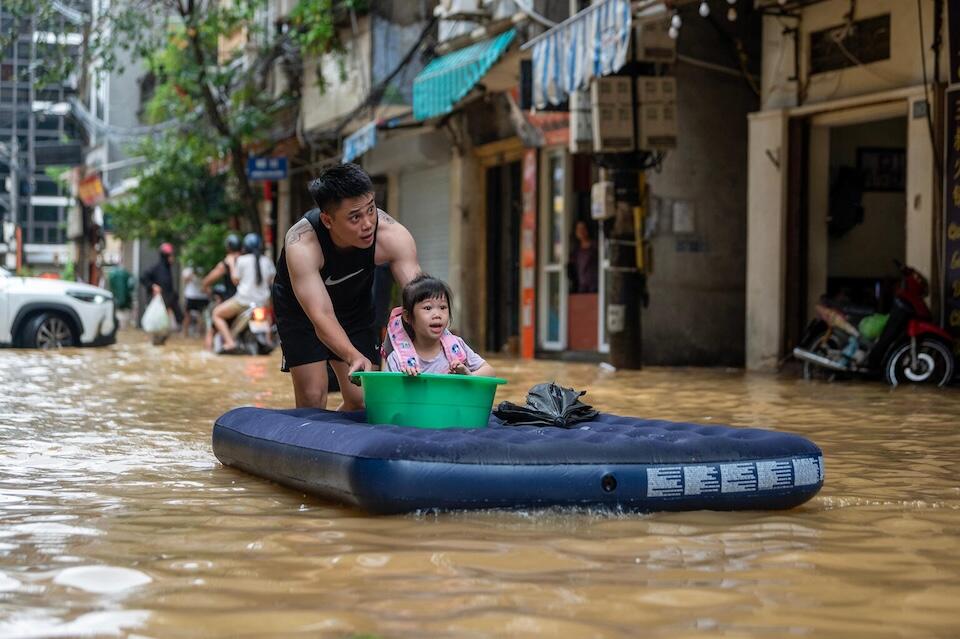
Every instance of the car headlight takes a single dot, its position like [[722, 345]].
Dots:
[[86, 296]]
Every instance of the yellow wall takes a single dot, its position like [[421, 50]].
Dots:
[[902, 69], [340, 97]]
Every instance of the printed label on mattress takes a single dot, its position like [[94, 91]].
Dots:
[[740, 477]]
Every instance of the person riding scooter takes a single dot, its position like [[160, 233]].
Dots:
[[253, 277], [223, 271]]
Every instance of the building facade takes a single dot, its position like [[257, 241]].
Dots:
[[843, 162], [39, 137], [497, 195]]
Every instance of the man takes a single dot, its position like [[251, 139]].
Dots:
[[159, 279], [323, 292], [123, 285]]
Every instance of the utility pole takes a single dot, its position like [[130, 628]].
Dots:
[[627, 292]]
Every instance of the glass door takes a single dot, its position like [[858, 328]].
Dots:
[[554, 249]]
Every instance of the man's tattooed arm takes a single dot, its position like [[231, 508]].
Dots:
[[386, 218], [297, 231]]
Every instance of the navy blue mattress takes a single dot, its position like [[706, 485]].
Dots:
[[612, 462]]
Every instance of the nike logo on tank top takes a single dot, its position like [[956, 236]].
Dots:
[[347, 273]]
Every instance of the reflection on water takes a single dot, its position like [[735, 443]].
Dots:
[[116, 519]]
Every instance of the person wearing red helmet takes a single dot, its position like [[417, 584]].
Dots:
[[159, 280]]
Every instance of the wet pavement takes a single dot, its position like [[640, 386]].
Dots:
[[117, 520]]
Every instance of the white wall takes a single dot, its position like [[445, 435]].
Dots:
[[867, 249], [902, 69]]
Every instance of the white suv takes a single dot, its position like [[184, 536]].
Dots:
[[41, 313]]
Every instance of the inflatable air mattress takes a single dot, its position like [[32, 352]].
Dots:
[[617, 463]]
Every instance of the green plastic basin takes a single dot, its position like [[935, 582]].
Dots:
[[428, 400]]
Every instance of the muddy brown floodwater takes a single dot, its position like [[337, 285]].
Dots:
[[117, 520]]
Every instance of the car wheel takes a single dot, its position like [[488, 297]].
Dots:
[[48, 331]]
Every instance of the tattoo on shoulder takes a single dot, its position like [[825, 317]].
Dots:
[[297, 231], [386, 218]]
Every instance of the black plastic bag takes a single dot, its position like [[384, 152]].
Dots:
[[547, 405]]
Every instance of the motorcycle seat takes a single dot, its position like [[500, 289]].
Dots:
[[849, 309]]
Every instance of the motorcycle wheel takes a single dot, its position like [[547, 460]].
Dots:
[[934, 363], [824, 345], [249, 344]]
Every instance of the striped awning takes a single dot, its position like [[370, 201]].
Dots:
[[447, 79], [589, 44]]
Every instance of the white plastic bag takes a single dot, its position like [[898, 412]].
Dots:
[[155, 318]]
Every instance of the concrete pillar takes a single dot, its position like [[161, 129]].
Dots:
[[818, 242], [766, 220], [393, 195], [920, 197], [284, 213], [466, 274]]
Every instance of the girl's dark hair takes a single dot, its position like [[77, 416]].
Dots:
[[423, 287], [337, 183]]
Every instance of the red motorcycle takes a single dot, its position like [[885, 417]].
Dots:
[[905, 347]]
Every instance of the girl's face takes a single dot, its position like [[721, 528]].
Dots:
[[430, 318]]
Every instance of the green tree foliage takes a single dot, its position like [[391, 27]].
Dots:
[[177, 200], [224, 73]]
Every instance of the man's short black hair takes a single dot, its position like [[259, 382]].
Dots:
[[337, 183]]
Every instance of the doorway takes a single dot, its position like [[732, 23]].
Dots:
[[554, 231], [856, 205], [504, 210]]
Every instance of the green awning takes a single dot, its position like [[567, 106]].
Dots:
[[447, 79]]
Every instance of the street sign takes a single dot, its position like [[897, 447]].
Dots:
[[91, 191], [267, 168], [364, 139]]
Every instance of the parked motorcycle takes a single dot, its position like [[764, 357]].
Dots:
[[905, 347], [254, 331]]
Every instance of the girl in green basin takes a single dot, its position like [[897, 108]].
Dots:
[[419, 337]]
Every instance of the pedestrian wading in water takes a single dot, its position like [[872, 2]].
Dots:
[[323, 292]]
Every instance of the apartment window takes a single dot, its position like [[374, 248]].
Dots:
[[46, 187], [46, 213]]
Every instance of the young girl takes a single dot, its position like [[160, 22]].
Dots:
[[432, 348]]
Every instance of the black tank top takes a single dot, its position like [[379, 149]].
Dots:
[[228, 286], [347, 274]]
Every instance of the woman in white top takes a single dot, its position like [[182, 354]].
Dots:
[[194, 296], [253, 276]]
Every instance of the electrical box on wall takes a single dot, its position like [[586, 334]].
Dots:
[[602, 204], [654, 43], [581, 122], [657, 112], [662, 88], [611, 101], [658, 126]]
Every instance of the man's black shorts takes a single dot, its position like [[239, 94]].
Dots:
[[300, 344]]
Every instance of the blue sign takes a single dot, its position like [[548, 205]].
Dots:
[[267, 168], [364, 139]]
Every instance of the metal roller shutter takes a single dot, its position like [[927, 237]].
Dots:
[[425, 212]]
